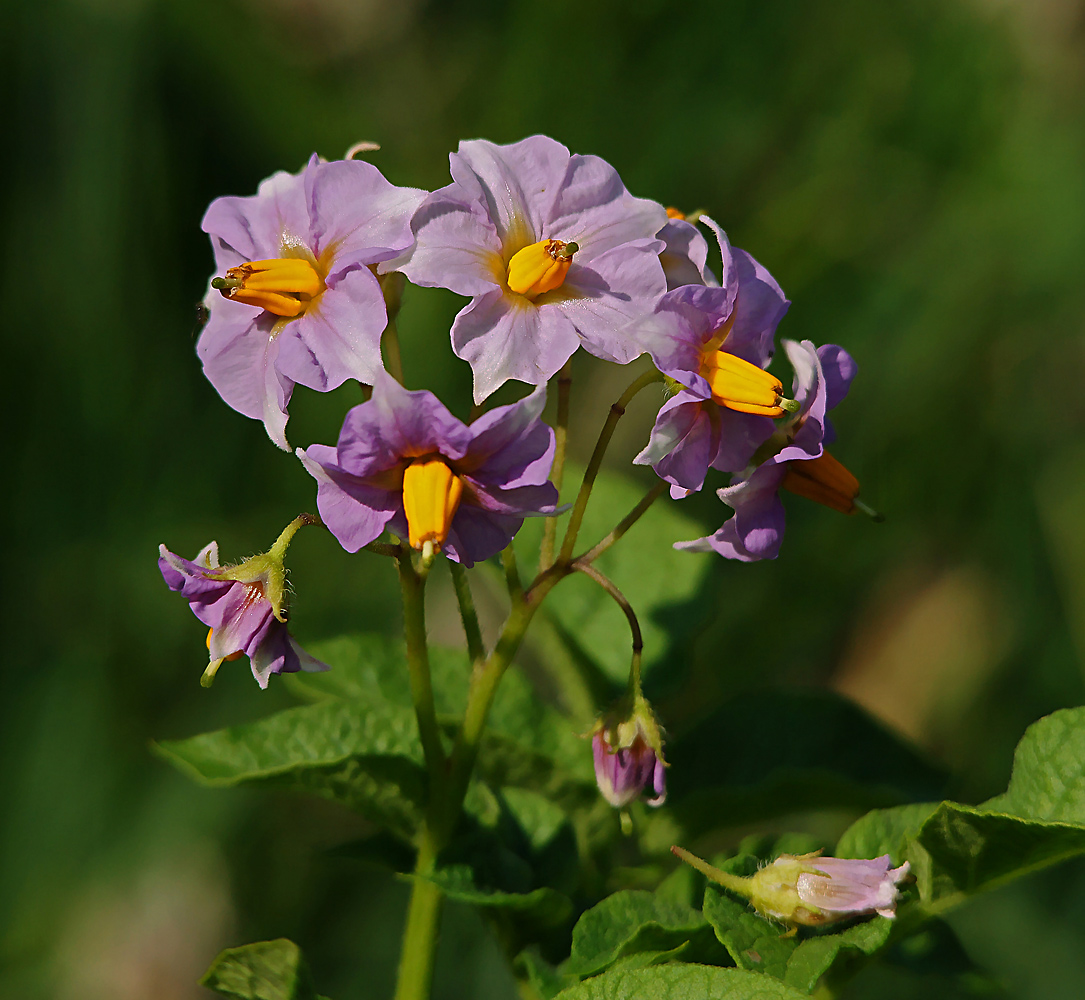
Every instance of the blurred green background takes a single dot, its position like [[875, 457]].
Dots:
[[913, 173]]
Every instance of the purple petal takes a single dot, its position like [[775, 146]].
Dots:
[[684, 441], [677, 330], [741, 434], [255, 227], [516, 184], [354, 511], [659, 783], [505, 336], [685, 255], [839, 369], [594, 209], [357, 212], [412, 424], [477, 534], [510, 445], [338, 336], [239, 353], [457, 247], [603, 300]]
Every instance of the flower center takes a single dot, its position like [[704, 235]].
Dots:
[[824, 480], [431, 497], [540, 267], [741, 386], [282, 286]]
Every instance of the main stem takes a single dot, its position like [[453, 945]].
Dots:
[[415, 977]]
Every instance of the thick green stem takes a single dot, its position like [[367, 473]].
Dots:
[[393, 358], [468, 615], [414, 626], [512, 573], [415, 978], [617, 411], [623, 525], [557, 471]]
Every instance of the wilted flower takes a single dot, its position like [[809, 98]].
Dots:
[[243, 606], [810, 890], [627, 747], [552, 249], [296, 299], [714, 344], [794, 459], [403, 462]]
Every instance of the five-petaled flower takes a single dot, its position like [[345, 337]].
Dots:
[[714, 344], [795, 459], [296, 299], [243, 606], [553, 251], [403, 462]]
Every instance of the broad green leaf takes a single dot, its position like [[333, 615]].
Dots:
[[364, 756], [630, 922], [761, 945], [546, 980], [660, 582], [1048, 778], [681, 981], [762, 755], [267, 970], [884, 831], [544, 906]]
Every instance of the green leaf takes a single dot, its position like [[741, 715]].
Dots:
[[544, 906], [884, 831], [366, 757], [267, 970], [680, 981], [760, 945], [629, 922], [661, 583], [762, 755]]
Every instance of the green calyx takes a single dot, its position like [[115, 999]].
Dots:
[[267, 569]]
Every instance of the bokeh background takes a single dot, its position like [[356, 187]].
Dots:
[[913, 173]]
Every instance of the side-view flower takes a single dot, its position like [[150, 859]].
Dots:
[[243, 606], [553, 251], [295, 298]]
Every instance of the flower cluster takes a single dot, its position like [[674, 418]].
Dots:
[[553, 254]]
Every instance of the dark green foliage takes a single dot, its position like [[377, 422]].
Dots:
[[266, 970]]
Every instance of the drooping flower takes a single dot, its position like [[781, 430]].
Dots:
[[553, 251], [295, 299], [794, 459], [714, 343], [627, 747], [243, 606], [404, 463], [810, 890]]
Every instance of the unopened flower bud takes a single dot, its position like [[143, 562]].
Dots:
[[628, 753]]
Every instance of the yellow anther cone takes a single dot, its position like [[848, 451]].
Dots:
[[431, 497], [823, 480], [741, 386], [540, 267], [282, 286]]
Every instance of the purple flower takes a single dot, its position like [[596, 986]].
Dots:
[[623, 772], [685, 253], [795, 460], [551, 248], [296, 299], [714, 343], [243, 608], [844, 887], [403, 462]]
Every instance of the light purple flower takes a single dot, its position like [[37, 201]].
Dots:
[[822, 378], [471, 486], [242, 606], [309, 309], [845, 887], [694, 330], [623, 772], [504, 199]]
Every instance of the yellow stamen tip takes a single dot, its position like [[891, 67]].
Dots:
[[675, 213], [540, 267], [825, 481], [283, 286], [742, 386], [431, 497]]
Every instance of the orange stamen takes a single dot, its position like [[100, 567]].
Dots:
[[431, 497], [823, 480], [283, 286], [540, 267], [741, 386]]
